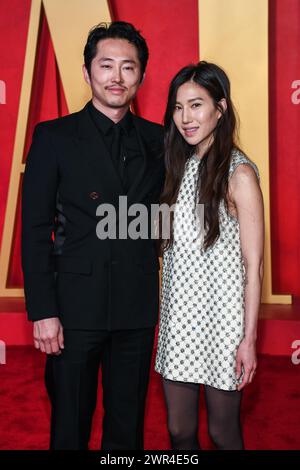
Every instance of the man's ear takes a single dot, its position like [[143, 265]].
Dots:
[[86, 75]]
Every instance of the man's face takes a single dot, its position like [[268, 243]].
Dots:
[[115, 75]]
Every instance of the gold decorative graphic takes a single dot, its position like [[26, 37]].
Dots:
[[69, 22], [234, 34]]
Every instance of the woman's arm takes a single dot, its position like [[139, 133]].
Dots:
[[246, 195]]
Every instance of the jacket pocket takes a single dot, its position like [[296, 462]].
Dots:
[[70, 264]]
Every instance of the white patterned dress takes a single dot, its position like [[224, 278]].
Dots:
[[202, 299]]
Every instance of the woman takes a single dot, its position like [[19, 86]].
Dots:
[[210, 290]]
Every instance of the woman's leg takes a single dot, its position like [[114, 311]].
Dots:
[[223, 412], [183, 408]]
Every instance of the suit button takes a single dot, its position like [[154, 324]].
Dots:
[[94, 195]]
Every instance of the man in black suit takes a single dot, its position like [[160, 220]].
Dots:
[[94, 300]]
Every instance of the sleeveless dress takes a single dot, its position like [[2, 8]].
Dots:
[[202, 296]]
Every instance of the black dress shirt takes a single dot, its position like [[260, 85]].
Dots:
[[129, 160]]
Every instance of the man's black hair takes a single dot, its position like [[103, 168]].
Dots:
[[116, 30]]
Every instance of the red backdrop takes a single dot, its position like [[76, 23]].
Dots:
[[172, 36], [284, 59]]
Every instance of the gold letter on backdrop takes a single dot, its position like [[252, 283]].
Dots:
[[234, 34], [69, 22]]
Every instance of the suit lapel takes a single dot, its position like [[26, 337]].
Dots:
[[139, 177], [148, 164]]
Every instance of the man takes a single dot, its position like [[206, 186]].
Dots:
[[94, 301]]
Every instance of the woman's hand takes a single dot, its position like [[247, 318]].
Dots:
[[246, 358]]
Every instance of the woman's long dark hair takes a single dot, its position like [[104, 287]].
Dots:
[[214, 166]]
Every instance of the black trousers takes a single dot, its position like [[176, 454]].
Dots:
[[72, 380]]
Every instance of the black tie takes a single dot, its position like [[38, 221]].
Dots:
[[116, 144], [116, 150]]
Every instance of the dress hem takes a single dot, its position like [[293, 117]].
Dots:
[[202, 382]]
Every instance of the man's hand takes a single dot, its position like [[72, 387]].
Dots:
[[48, 335]]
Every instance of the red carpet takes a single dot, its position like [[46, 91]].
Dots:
[[270, 411]]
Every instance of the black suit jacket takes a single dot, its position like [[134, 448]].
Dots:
[[87, 282]]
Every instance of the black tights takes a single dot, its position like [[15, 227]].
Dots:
[[223, 413]]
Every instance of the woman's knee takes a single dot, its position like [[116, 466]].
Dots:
[[216, 435], [226, 437], [179, 432]]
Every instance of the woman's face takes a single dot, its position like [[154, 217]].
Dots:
[[195, 116]]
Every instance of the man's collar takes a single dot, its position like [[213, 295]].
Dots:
[[105, 124]]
